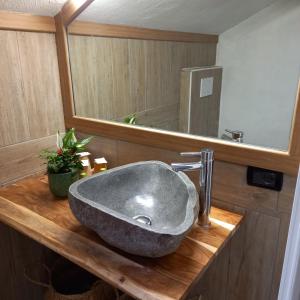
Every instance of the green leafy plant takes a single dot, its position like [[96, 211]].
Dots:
[[131, 119], [65, 158]]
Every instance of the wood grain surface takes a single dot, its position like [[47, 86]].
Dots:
[[130, 32], [31, 106], [115, 77], [10, 20], [29, 207]]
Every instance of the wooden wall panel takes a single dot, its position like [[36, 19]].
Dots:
[[278, 262], [114, 77], [13, 118], [22, 159], [30, 101], [39, 65], [137, 63], [254, 258], [122, 104], [244, 196], [216, 276]]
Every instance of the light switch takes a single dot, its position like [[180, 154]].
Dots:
[[206, 86]]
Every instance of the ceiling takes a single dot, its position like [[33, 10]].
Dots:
[[35, 7], [202, 16]]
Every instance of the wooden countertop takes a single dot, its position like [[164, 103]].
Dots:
[[30, 208]]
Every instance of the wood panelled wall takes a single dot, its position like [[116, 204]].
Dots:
[[31, 112], [30, 101], [114, 77], [250, 267]]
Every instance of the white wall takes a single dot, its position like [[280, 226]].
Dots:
[[261, 61]]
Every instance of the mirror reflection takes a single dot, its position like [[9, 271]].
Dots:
[[237, 81]]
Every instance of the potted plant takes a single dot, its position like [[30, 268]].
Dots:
[[64, 164]]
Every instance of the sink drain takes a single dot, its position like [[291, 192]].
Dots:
[[143, 219]]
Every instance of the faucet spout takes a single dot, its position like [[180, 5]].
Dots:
[[205, 165], [186, 166]]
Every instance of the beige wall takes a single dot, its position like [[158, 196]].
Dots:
[[30, 101], [115, 77]]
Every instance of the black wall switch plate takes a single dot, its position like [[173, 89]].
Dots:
[[265, 178]]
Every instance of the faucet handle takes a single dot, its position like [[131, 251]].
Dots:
[[205, 154], [236, 134]]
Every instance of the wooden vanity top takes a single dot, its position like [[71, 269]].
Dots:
[[30, 208]]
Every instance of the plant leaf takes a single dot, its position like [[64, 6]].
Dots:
[[69, 139], [81, 144], [59, 141]]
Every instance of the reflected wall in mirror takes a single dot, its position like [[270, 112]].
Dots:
[[237, 80]]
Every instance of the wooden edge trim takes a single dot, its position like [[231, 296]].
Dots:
[[55, 238], [225, 151], [64, 67], [72, 9], [294, 148], [120, 31], [25, 22]]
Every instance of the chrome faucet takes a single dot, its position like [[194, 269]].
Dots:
[[205, 165]]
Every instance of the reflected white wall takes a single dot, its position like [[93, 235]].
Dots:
[[261, 68]]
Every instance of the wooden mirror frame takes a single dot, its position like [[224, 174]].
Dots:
[[284, 161]]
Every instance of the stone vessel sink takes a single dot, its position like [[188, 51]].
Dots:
[[143, 208]]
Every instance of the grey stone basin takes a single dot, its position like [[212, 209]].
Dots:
[[143, 208]]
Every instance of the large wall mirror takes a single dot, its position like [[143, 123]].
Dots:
[[194, 68], [242, 88]]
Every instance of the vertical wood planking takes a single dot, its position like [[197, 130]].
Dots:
[[114, 77], [158, 67], [13, 111], [137, 73], [122, 104], [30, 107], [253, 252], [43, 99]]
